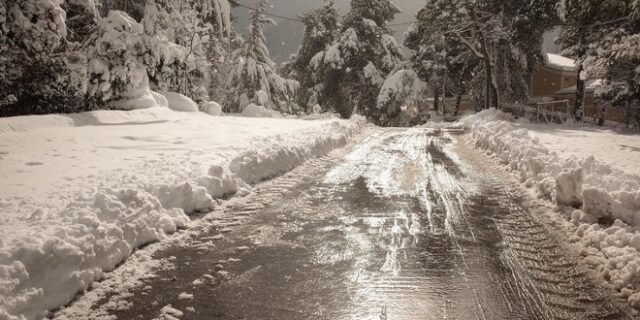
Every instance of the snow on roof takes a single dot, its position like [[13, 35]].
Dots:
[[590, 86], [557, 61]]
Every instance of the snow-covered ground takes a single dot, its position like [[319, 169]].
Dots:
[[80, 193], [620, 151], [591, 174]]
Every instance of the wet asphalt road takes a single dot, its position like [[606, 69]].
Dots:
[[400, 228]]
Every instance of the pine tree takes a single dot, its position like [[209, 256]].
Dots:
[[577, 16], [35, 27], [434, 49], [254, 78], [37, 70], [84, 61], [4, 57], [321, 27], [498, 40], [402, 89], [604, 34], [81, 18], [352, 70]]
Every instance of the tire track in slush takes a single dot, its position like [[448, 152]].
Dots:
[[533, 276]]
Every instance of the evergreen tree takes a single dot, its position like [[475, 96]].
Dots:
[[84, 61], [605, 36], [254, 78], [353, 69], [37, 72], [402, 89], [81, 18], [497, 40], [321, 27], [4, 57], [577, 16], [438, 56]]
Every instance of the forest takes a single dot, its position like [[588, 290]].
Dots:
[[67, 56]]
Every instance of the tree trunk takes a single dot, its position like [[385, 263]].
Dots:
[[627, 115], [603, 110], [491, 83], [444, 78], [487, 83], [444, 95], [436, 99], [461, 90], [580, 86]]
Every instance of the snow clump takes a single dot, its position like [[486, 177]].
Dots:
[[212, 108], [256, 111], [180, 102]]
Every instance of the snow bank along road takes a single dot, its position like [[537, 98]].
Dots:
[[402, 227], [80, 193], [596, 198]]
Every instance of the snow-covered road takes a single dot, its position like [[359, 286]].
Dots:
[[401, 226]]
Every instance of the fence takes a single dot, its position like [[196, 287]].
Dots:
[[549, 112]]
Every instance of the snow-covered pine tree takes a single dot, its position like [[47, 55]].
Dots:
[[353, 69], [607, 34], [434, 50], [519, 51], [489, 31], [402, 89], [36, 26], [115, 65], [577, 15], [61, 56], [450, 43], [195, 26], [36, 66], [321, 27], [81, 18], [254, 78]]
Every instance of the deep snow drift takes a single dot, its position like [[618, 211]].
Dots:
[[80, 193], [589, 174]]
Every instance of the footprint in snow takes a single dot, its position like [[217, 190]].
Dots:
[[33, 164]]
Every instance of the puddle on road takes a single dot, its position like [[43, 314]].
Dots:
[[356, 247]]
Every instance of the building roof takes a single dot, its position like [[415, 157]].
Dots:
[[559, 62], [590, 87]]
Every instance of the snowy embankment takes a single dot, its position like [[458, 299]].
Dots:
[[600, 199], [80, 193]]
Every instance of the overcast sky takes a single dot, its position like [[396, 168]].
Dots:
[[283, 39]]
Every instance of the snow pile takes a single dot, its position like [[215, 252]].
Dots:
[[320, 116], [602, 202], [63, 253], [64, 223], [212, 108], [179, 102], [604, 191], [256, 111], [161, 100], [142, 100]]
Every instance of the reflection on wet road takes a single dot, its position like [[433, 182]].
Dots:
[[400, 229]]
